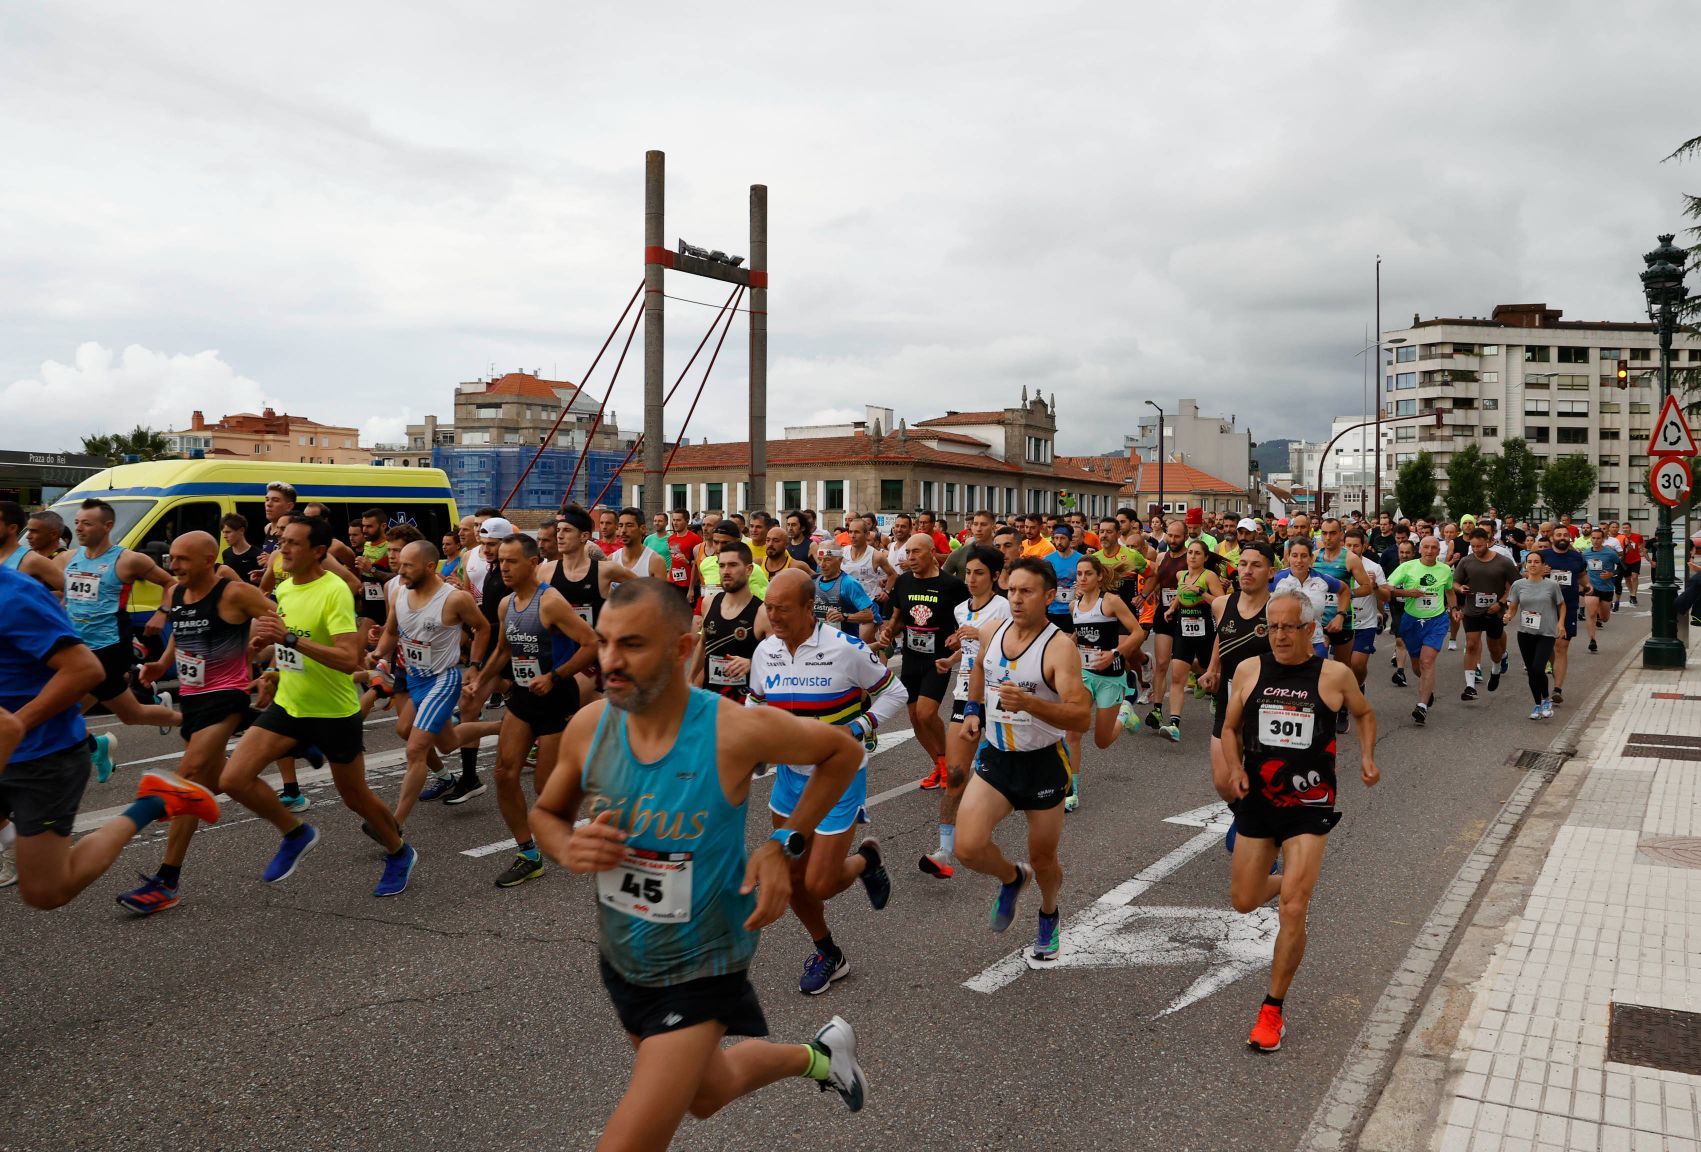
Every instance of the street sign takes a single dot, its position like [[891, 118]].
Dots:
[[1669, 481], [1671, 436]]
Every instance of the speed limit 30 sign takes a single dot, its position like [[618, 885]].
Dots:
[[1669, 481]]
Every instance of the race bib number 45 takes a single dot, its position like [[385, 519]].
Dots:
[[1282, 727], [653, 886]]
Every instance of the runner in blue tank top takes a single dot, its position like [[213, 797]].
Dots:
[[1333, 558], [16, 553], [663, 771]]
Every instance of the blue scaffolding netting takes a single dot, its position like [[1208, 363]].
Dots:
[[485, 475]]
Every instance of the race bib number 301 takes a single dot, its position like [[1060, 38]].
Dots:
[[653, 886], [1282, 727]]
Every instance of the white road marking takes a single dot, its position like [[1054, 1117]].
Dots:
[[490, 849], [1214, 815]]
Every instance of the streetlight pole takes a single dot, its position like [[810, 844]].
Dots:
[[1161, 513], [1377, 386], [1662, 283]]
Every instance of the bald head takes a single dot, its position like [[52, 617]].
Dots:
[[924, 559], [194, 556], [417, 564]]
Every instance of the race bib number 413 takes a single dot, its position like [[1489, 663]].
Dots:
[[653, 886]]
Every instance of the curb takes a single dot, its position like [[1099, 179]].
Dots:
[[1387, 1095]]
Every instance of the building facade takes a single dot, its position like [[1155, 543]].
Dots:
[[1525, 372], [1002, 461], [1215, 445], [1183, 486], [269, 437]]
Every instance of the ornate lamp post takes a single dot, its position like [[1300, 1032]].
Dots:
[[1662, 283]]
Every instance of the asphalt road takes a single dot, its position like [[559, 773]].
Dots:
[[461, 1015]]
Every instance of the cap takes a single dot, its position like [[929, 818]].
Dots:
[[1195, 515], [495, 528], [728, 529], [830, 552], [1467, 518], [1282, 522], [1248, 524]]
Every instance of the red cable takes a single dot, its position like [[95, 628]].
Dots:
[[692, 410], [590, 437], [567, 407]]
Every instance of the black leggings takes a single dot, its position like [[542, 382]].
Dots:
[[1536, 652]]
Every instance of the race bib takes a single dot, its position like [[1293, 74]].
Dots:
[[290, 659], [1429, 602], [718, 673], [1168, 597], [526, 669], [1485, 599], [1062, 595], [1595, 564], [1282, 727], [373, 591], [415, 655], [998, 715], [192, 670], [1192, 625], [676, 574], [584, 612], [922, 643], [83, 589], [1530, 621], [1562, 577], [708, 589], [653, 886]]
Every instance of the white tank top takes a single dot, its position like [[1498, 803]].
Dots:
[[428, 645], [994, 610], [862, 571], [1018, 731]]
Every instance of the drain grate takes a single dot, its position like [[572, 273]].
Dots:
[[1663, 746], [1536, 760], [1678, 851], [1655, 1038]]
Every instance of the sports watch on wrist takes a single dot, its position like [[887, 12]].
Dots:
[[791, 842]]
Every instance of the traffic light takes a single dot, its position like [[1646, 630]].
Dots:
[[1624, 373]]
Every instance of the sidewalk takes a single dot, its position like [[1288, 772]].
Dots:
[[1576, 1033]]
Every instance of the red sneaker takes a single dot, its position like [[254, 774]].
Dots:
[[182, 797], [1267, 1033], [935, 778], [937, 865]]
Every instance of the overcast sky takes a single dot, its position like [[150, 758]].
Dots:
[[342, 210]]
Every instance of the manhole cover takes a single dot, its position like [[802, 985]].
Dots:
[[1679, 851], [1533, 760], [1655, 1038]]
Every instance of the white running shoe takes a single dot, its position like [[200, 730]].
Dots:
[[8, 867], [844, 1074]]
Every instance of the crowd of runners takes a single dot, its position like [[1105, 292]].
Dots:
[[647, 672]]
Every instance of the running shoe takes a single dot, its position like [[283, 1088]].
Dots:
[[437, 787], [1452, 645], [1044, 950], [875, 879], [397, 869], [464, 790], [522, 869], [1072, 799], [165, 700], [1004, 904], [1420, 713], [289, 854], [1343, 720], [1229, 838], [297, 802], [1400, 677], [1172, 731], [1633, 601], [531, 755], [1547, 709], [1558, 696], [844, 1074], [934, 779], [1494, 679], [820, 970], [1267, 1033], [1128, 718], [1154, 720], [1536, 712], [938, 864], [182, 797], [1505, 665], [154, 895], [761, 771], [1468, 694], [8, 867], [1593, 647], [101, 753]]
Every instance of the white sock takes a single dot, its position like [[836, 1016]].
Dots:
[[948, 838], [8, 836], [1470, 677]]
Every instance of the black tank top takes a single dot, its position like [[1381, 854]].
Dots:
[[584, 595], [1289, 736], [800, 553], [1238, 638], [212, 653], [490, 597], [724, 638]]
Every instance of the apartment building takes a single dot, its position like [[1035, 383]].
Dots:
[[1218, 446], [270, 437], [1525, 372]]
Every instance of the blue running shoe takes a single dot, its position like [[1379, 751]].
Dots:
[[101, 753], [297, 802], [819, 972], [397, 869], [313, 756], [1004, 906], [437, 788], [1045, 943], [290, 852], [1229, 838], [875, 879], [153, 896]]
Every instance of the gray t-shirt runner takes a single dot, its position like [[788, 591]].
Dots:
[[1487, 579], [1536, 605]]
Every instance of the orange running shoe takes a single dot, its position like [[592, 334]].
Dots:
[[1267, 1033], [182, 797], [937, 864], [935, 778]]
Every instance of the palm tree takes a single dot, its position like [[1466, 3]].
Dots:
[[142, 443]]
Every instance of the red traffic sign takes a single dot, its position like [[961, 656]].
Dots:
[[1669, 481], [1671, 435]]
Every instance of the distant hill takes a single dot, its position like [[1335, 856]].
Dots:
[[1272, 455]]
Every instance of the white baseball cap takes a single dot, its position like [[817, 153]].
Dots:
[[495, 528], [1249, 524]]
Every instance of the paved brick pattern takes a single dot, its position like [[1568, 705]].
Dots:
[[1605, 924]]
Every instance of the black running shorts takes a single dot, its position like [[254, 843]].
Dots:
[[646, 1012], [545, 715], [1259, 821], [205, 709], [1030, 781], [1489, 622], [115, 661], [922, 679], [42, 795], [341, 738]]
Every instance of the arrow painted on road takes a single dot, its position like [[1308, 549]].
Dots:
[[1111, 934]]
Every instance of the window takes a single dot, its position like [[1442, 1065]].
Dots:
[[1405, 407], [1608, 461], [1405, 354], [1538, 381], [256, 449], [1639, 514], [1608, 513], [1404, 433], [1638, 462], [1609, 488], [1573, 355], [950, 498], [1039, 450], [791, 495], [1009, 500], [1635, 433], [714, 497], [678, 498], [1536, 355], [1490, 430], [1491, 349], [1491, 403], [488, 411], [891, 495], [510, 437], [1611, 354], [1611, 407], [1491, 377], [475, 437], [1573, 436], [1535, 407], [1640, 354], [1572, 408], [1406, 380], [1464, 349], [1404, 458], [1609, 434], [1536, 435], [1639, 408], [927, 494], [1571, 383], [833, 501], [1464, 431]]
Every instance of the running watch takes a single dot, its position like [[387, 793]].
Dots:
[[791, 842]]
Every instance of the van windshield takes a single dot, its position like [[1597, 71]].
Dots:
[[127, 512]]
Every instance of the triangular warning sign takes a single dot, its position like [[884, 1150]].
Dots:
[[1671, 435]]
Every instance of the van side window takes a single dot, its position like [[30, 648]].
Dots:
[[432, 520], [195, 516]]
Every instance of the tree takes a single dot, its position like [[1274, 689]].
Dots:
[[1414, 486], [1566, 484], [143, 443], [1512, 479], [1686, 382], [1467, 482]]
